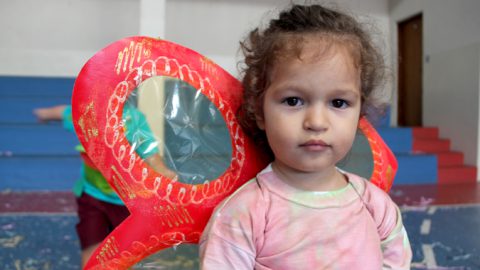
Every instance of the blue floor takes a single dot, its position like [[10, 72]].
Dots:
[[36, 241], [442, 237]]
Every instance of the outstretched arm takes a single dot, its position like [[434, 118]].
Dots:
[[54, 113]]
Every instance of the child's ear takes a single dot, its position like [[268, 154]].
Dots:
[[260, 122]]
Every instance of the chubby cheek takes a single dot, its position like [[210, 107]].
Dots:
[[280, 146], [274, 131], [277, 133], [346, 141], [270, 119]]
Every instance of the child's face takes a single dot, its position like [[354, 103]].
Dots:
[[311, 109]]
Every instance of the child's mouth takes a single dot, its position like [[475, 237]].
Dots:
[[315, 145]]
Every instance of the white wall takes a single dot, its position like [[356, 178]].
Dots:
[[152, 18], [60, 35], [451, 34], [453, 96], [55, 37], [215, 27]]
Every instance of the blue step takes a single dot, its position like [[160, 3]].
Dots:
[[57, 173], [42, 156], [19, 110], [13, 86], [400, 140], [35, 156], [18, 140], [416, 169], [413, 168]]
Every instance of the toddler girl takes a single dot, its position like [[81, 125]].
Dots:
[[309, 77]]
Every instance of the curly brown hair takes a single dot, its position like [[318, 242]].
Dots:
[[285, 36]]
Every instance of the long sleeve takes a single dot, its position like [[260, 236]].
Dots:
[[397, 253]]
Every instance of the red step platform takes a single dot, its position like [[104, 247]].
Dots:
[[451, 167]]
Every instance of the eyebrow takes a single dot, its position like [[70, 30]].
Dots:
[[346, 92], [293, 87]]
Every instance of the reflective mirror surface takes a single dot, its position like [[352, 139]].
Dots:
[[360, 159], [177, 130]]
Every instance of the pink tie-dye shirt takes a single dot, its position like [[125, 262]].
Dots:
[[267, 224]]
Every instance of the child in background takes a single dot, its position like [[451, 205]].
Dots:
[[309, 77], [99, 208]]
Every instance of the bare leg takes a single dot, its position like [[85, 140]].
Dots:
[[86, 253]]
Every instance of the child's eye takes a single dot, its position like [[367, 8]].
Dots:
[[339, 103], [293, 101]]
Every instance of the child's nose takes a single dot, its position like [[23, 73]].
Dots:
[[316, 118]]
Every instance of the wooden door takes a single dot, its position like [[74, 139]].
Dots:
[[410, 72]]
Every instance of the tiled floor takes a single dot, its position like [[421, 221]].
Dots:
[[38, 230]]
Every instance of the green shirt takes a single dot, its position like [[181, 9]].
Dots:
[[140, 136]]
